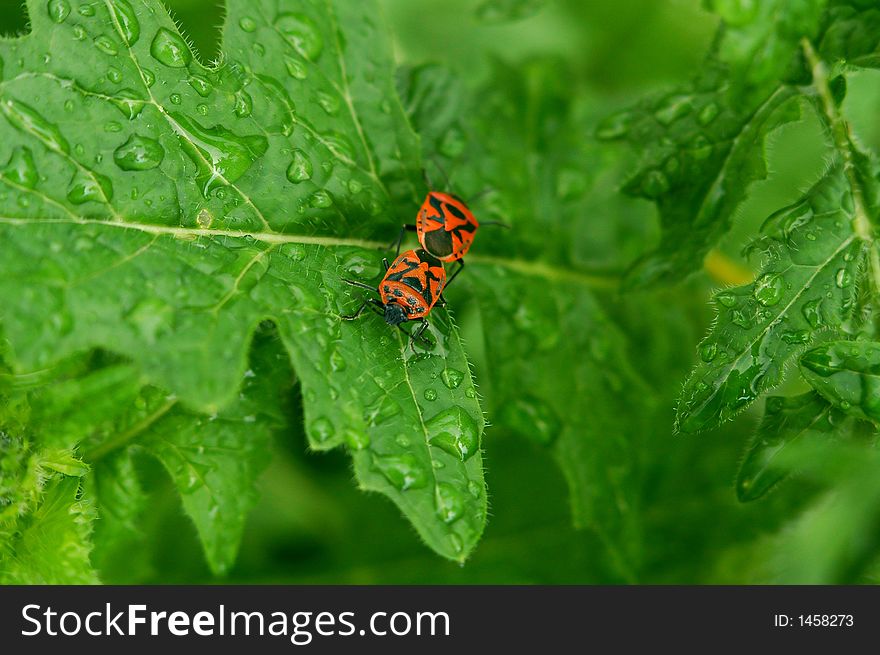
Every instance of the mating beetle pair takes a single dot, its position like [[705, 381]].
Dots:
[[415, 281]]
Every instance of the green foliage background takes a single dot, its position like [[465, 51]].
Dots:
[[179, 402]]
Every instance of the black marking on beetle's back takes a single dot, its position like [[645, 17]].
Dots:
[[439, 242], [455, 211]]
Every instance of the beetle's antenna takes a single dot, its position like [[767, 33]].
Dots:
[[486, 191], [506, 226], [442, 172]]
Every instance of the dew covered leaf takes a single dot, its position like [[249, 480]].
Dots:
[[787, 422], [704, 145], [161, 209], [807, 285], [847, 375]]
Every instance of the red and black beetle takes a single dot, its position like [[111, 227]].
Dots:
[[412, 285]]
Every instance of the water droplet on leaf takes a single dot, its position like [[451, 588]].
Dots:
[[139, 153], [452, 377], [768, 289], [127, 20], [321, 430], [170, 49], [402, 471], [244, 104], [21, 169], [450, 502], [454, 431], [301, 33], [59, 10]]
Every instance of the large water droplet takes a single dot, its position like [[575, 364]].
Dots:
[[844, 278], [329, 102], [86, 10], [402, 471], [454, 431], [244, 104], [768, 289], [726, 299], [128, 102], [812, 311], [301, 33], [450, 502], [321, 430], [114, 75], [300, 168], [139, 153], [218, 153], [247, 23], [170, 49], [430, 394], [708, 351], [201, 85], [27, 119], [452, 377], [295, 68], [320, 199], [59, 10], [21, 169], [106, 45], [125, 16], [86, 187]]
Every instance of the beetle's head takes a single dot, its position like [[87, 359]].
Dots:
[[394, 314]]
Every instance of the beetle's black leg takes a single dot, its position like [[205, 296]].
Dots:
[[357, 313], [453, 276], [362, 285], [369, 303], [395, 245]]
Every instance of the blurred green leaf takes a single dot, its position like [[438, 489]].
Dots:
[[787, 421]]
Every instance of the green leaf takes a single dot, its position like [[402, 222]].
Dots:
[[787, 422], [847, 375], [53, 545], [836, 539], [807, 285], [704, 145], [181, 205]]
